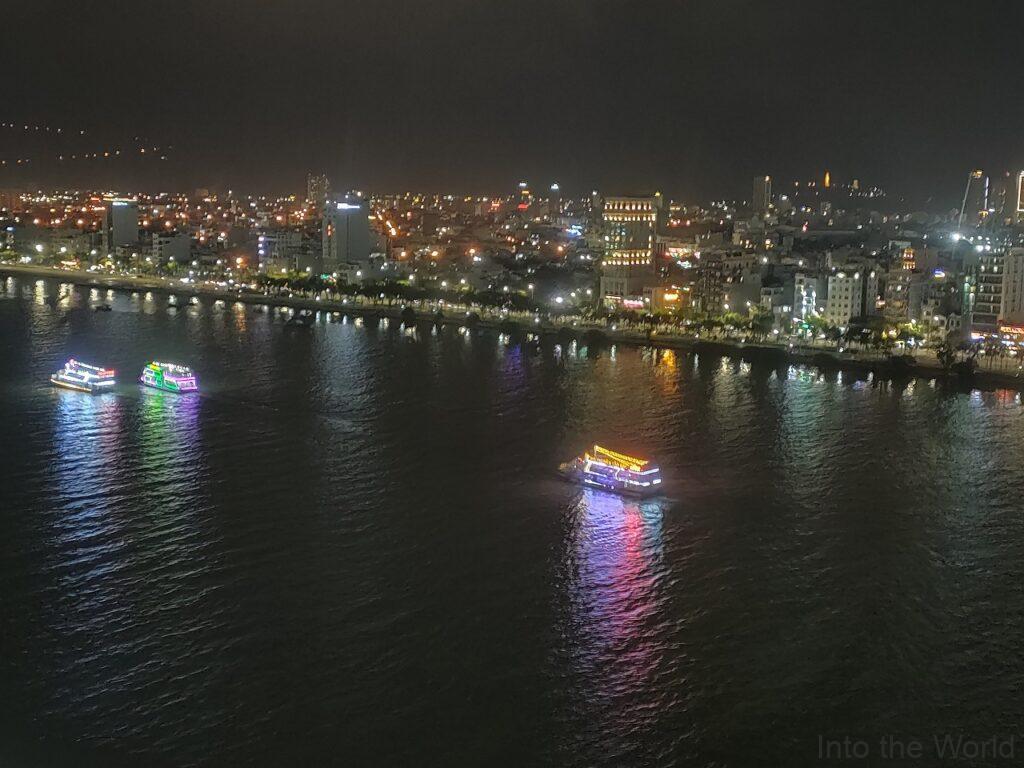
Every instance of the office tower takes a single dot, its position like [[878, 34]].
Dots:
[[317, 189], [762, 198], [346, 235], [630, 225], [121, 226]]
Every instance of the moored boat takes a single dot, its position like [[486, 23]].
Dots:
[[615, 472], [169, 377], [84, 378]]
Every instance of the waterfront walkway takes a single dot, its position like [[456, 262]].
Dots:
[[992, 371]]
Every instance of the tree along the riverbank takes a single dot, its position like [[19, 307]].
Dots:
[[396, 290], [876, 334]]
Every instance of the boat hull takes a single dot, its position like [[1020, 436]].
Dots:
[[75, 386], [578, 477], [165, 388]]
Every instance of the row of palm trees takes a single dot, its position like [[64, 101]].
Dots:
[[392, 291], [874, 333]]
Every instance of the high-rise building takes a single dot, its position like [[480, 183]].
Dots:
[[318, 187], [630, 226], [1012, 306], [709, 286], [983, 290], [346, 235], [555, 200], [974, 208], [762, 197], [852, 292], [121, 225]]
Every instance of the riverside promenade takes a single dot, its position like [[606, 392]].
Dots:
[[991, 372]]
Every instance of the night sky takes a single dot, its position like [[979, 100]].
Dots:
[[692, 97]]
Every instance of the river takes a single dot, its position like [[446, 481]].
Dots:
[[351, 548]]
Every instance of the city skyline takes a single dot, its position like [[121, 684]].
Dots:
[[694, 101], [549, 383]]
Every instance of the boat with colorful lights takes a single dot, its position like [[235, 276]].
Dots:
[[84, 378], [615, 472], [169, 377]]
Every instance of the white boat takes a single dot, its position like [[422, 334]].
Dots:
[[84, 378]]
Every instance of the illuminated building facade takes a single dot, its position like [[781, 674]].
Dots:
[[1012, 306], [851, 293], [983, 290], [630, 226], [121, 225], [666, 299], [808, 295], [346, 235]]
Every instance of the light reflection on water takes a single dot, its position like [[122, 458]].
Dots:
[[86, 439], [617, 551], [350, 544]]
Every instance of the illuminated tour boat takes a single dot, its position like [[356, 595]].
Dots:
[[169, 377], [84, 378], [615, 472]]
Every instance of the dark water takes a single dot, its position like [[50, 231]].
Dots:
[[350, 550]]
